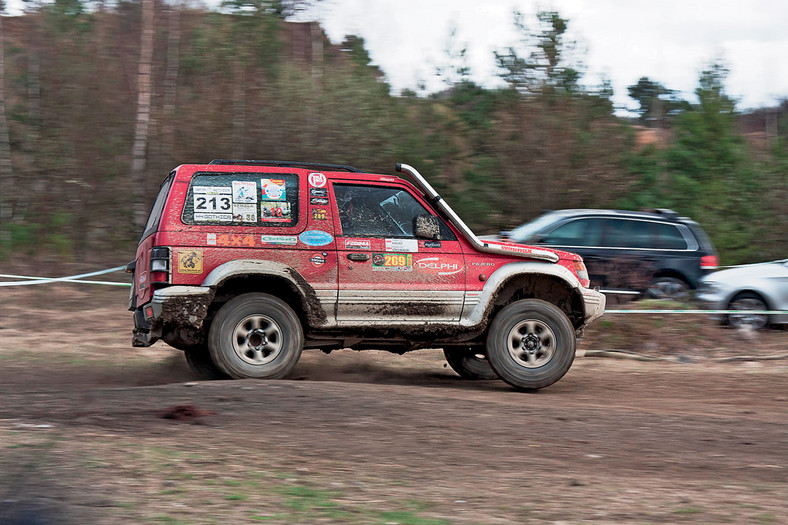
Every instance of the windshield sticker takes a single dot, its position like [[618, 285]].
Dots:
[[357, 244], [190, 261], [318, 192], [244, 212], [318, 201], [273, 189], [434, 264], [320, 214], [317, 180], [316, 238], [402, 245], [317, 260], [396, 262], [284, 240], [244, 192], [275, 212]]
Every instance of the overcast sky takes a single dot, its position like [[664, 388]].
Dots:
[[668, 41]]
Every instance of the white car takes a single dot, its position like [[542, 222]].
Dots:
[[754, 288]]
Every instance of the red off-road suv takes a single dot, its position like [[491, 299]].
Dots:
[[243, 264]]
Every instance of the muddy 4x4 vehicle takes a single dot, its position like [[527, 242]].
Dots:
[[243, 264]]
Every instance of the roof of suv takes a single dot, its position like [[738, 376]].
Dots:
[[663, 214]]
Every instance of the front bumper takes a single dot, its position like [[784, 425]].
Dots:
[[178, 306], [594, 304]]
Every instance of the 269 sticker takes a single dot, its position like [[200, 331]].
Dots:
[[398, 262]]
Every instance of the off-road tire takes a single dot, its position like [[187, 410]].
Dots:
[[468, 364], [199, 360], [256, 335], [531, 344]]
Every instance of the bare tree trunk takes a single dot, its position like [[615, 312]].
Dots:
[[143, 115], [239, 106], [38, 185], [171, 79], [6, 171]]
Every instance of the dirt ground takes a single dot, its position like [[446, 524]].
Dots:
[[94, 431]]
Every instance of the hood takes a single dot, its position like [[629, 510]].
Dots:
[[524, 249], [767, 269]]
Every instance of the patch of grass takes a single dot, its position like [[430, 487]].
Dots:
[[688, 510], [765, 518], [235, 497]]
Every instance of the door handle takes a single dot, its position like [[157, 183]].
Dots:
[[358, 256]]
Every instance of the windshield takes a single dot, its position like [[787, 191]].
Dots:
[[525, 231]]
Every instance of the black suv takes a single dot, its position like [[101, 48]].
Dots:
[[656, 253]]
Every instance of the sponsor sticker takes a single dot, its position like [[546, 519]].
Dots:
[[318, 201], [210, 239], [320, 214], [244, 191], [394, 262], [275, 212], [316, 238], [213, 203], [432, 244], [189, 261], [316, 180], [357, 244], [226, 239], [213, 217], [434, 264], [318, 192], [213, 190], [284, 240], [317, 260], [272, 189], [245, 212], [402, 245]]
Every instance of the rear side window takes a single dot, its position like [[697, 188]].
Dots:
[[668, 237], [158, 207], [623, 233], [242, 199]]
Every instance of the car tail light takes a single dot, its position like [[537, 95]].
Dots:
[[160, 265], [709, 262]]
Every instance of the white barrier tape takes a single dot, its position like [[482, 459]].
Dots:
[[743, 312], [67, 279]]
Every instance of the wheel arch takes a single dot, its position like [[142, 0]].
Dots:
[[241, 276], [546, 287]]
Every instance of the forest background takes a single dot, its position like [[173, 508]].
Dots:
[[98, 103]]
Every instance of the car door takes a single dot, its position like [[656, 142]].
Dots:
[[386, 274]]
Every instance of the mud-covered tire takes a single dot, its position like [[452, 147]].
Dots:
[[256, 335], [468, 364], [531, 344], [199, 360]]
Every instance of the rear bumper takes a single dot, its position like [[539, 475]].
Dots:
[[181, 306], [594, 304]]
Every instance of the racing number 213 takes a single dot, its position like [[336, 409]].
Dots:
[[211, 204]]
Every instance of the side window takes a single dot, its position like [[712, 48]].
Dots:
[[376, 211], [581, 232], [668, 237], [623, 233], [242, 199]]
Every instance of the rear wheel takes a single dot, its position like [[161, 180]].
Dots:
[[469, 364], [531, 344], [256, 335], [671, 288], [748, 301]]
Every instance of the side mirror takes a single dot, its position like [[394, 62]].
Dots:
[[426, 227]]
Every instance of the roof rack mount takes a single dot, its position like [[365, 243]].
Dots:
[[286, 164]]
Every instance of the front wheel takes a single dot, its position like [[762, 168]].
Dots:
[[531, 344], [748, 301], [469, 364], [256, 335]]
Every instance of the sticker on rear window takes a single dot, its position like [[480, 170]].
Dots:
[[244, 191], [275, 212], [273, 189]]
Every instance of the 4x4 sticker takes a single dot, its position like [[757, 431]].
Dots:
[[273, 189], [317, 180], [226, 239], [318, 192], [189, 261], [316, 238], [402, 245], [285, 240], [397, 262]]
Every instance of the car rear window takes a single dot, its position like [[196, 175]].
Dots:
[[242, 199], [668, 237]]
